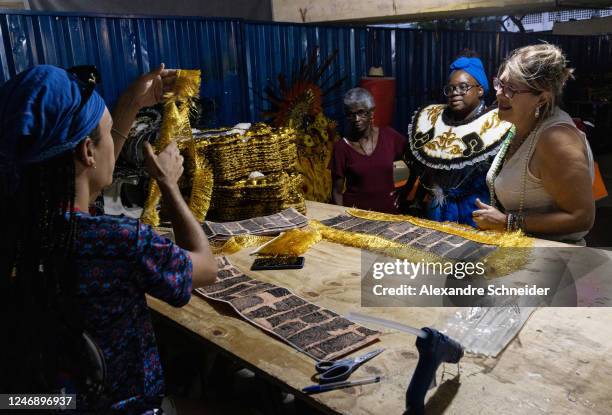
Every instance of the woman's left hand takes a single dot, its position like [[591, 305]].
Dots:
[[149, 89], [489, 218]]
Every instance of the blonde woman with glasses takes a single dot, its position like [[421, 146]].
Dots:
[[541, 180]]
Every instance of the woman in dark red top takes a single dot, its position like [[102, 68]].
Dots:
[[362, 163]]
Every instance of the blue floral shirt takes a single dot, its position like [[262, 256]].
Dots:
[[118, 260]]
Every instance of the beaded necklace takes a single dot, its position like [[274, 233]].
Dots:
[[499, 161], [496, 167]]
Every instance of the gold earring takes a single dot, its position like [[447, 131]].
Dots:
[[537, 112]]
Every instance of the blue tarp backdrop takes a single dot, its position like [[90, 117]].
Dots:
[[238, 58]]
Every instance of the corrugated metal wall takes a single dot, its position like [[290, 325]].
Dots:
[[123, 48], [239, 58]]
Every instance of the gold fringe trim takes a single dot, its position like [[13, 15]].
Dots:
[[504, 239], [187, 84], [176, 125], [294, 242], [237, 243], [201, 190], [170, 123], [375, 243], [505, 260], [150, 215]]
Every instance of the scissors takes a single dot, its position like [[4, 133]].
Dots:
[[341, 369]]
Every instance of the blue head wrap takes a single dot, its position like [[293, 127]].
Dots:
[[474, 67], [38, 118]]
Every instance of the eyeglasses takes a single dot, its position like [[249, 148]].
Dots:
[[88, 77], [507, 90], [361, 114], [461, 89]]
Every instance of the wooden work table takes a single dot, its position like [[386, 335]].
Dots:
[[561, 361]]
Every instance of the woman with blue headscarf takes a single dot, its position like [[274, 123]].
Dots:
[[451, 146], [67, 275]]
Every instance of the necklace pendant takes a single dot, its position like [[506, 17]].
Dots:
[[364, 150]]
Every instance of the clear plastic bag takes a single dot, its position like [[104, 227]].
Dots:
[[487, 331]]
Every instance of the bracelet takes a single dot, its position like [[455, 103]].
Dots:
[[119, 134], [515, 222], [520, 222], [510, 222]]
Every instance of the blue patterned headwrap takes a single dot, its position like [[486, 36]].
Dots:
[[38, 118], [474, 67]]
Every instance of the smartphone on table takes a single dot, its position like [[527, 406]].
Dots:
[[272, 263]]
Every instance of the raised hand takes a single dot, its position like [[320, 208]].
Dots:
[[165, 167], [149, 89]]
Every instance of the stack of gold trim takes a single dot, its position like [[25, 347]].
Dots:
[[233, 158], [197, 181], [261, 149]]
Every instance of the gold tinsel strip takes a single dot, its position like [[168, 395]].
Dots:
[[201, 189], [503, 239], [294, 242], [176, 125], [187, 84], [150, 214], [236, 243]]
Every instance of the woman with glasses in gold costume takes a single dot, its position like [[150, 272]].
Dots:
[[451, 146]]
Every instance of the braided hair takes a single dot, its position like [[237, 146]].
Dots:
[[35, 273]]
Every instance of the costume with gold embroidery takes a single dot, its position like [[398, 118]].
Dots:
[[452, 158]]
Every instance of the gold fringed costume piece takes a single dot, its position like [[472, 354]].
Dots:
[[176, 125], [505, 260], [502, 239], [374, 243], [512, 252]]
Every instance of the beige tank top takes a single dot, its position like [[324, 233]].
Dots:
[[509, 181]]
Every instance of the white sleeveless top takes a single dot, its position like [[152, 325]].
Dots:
[[509, 182]]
